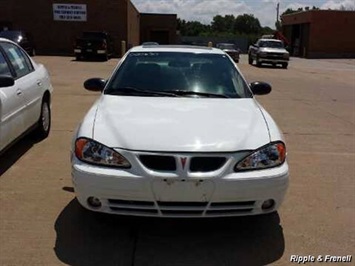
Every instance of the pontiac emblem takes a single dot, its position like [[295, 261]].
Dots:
[[183, 162]]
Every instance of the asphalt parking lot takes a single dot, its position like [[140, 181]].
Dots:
[[313, 102]]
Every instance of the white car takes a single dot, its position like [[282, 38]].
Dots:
[[25, 95], [177, 132]]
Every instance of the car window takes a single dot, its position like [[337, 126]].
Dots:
[[11, 35], [271, 44], [18, 60], [28, 61], [94, 35], [177, 71], [227, 46], [4, 68]]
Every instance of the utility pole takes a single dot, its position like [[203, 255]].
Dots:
[[277, 12]]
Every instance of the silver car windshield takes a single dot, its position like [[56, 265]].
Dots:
[[178, 74], [227, 46], [271, 44]]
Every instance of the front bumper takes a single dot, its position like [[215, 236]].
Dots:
[[122, 192], [90, 51], [234, 56], [271, 59]]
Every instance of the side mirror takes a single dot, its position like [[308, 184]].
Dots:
[[260, 88], [95, 84], [6, 81]]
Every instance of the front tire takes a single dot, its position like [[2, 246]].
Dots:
[[44, 122], [284, 65], [32, 52], [250, 60], [105, 57]]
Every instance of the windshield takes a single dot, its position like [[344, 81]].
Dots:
[[271, 44], [226, 46], [11, 35], [178, 74], [93, 35]]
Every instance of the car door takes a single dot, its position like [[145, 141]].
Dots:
[[12, 107], [27, 82]]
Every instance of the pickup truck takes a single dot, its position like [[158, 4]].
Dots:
[[230, 49], [94, 44], [270, 51]]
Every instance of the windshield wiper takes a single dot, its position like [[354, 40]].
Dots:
[[136, 91], [206, 94]]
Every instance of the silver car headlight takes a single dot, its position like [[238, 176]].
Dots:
[[93, 152], [268, 156]]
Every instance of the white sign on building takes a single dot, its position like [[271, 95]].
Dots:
[[69, 12]]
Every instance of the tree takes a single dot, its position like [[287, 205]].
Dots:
[[218, 24], [229, 23], [300, 9], [191, 28], [247, 24], [267, 31]]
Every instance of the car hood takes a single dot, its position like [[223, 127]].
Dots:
[[230, 51], [179, 124], [273, 50]]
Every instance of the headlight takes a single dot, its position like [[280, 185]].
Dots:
[[92, 152], [271, 155]]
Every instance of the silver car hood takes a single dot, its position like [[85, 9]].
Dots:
[[180, 124]]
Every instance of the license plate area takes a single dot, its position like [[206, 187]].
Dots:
[[182, 190]]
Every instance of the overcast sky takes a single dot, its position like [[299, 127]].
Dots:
[[205, 10]]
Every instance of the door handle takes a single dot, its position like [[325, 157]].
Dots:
[[19, 92], [39, 83]]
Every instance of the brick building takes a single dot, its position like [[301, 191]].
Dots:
[[160, 28], [54, 24], [321, 33]]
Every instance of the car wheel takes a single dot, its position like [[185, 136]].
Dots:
[[250, 60], [77, 57], [284, 65], [105, 57], [44, 122], [32, 52]]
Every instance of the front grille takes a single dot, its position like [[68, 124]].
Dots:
[[274, 56], [231, 204], [230, 208], [133, 207], [193, 209], [163, 204], [158, 162], [137, 203], [206, 164], [182, 212], [228, 212], [180, 209]]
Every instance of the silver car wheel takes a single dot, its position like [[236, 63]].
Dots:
[[45, 117]]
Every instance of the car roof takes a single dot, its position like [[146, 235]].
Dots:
[[177, 49], [6, 40], [270, 40]]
